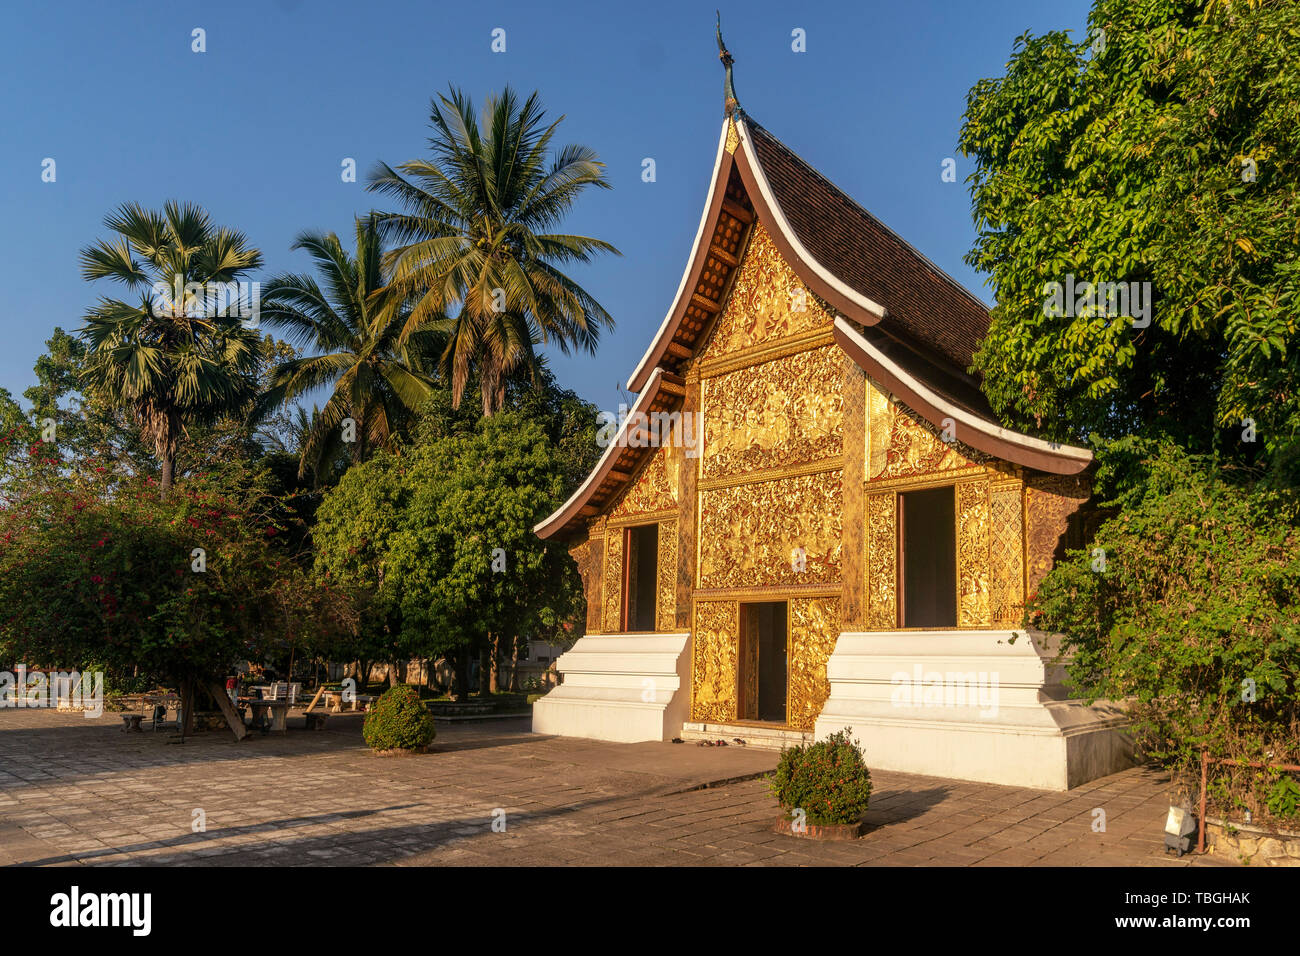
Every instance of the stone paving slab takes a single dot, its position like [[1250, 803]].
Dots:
[[75, 791]]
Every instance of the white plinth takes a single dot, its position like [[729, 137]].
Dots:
[[971, 705], [620, 687]]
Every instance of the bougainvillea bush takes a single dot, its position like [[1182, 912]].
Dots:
[[97, 568], [1187, 604], [828, 780], [398, 721]]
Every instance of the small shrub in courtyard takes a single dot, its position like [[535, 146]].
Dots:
[[828, 780], [398, 721]]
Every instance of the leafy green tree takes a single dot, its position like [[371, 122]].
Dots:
[[94, 568], [477, 257], [1164, 147], [181, 355], [443, 535], [1187, 603], [375, 370]]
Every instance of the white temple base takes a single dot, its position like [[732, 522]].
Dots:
[[620, 687], [970, 705]]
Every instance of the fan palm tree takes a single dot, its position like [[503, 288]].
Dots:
[[476, 258], [377, 376], [181, 355]]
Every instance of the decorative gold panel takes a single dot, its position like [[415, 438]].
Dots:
[[1006, 554], [1049, 502], [613, 579], [666, 603], [767, 302], [782, 412], [882, 562], [582, 557], [814, 628], [901, 444], [656, 487], [748, 533], [973, 554], [715, 646]]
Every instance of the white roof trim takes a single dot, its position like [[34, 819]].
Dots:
[[956, 413], [791, 237], [690, 260], [617, 445]]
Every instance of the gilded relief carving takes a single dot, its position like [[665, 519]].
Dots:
[[901, 444], [767, 302], [666, 574], [814, 629], [613, 578], [713, 660], [581, 554], [1049, 502], [656, 487], [749, 533], [882, 562], [782, 412], [973, 554], [1006, 556]]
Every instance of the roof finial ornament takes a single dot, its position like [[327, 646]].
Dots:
[[731, 104]]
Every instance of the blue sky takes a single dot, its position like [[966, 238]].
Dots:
[[255, 128]]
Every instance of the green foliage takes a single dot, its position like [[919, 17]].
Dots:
[[420, 530], [1199, 602], [398, 721], [93, 567], [374, 366], [178, 356], [828, 780], [481, 258], [1283, 798], [1168, 152]]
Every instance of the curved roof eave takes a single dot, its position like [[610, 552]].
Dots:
[[561, 517], [987, 436], [818, 278]]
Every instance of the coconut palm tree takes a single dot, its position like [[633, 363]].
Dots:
[[377, 376], [476, 258], [183, 354]]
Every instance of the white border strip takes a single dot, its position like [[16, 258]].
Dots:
[[584, 490], [959, 414], [791, 237], [690, 260]]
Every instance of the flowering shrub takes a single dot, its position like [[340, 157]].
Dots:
[[398, 721], [828, 780]]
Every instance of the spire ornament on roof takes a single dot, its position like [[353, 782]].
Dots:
[[731, 104]]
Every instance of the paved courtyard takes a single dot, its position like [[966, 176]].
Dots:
[[77, 791]]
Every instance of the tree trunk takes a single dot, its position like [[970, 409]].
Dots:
[[484, 668], [187, 707], [168, 474], [514, 663], [494, 658], [462, 674]]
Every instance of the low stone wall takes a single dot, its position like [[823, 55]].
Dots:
[[1247, 843]]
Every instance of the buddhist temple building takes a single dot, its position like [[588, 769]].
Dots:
[[811, 519]]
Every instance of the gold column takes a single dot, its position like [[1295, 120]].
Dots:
[[973, 553], [882, 562]]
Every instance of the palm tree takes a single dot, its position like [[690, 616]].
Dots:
[[182, 355], [376, 374], [476, 259]]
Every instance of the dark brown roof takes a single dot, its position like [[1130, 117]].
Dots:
[[928, 310]]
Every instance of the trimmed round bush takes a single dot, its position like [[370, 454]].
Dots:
[[828, 780], [398, 721]]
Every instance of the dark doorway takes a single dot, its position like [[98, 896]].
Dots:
[[642, 550], [763, 661], [928, 532]]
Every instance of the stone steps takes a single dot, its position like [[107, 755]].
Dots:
[[758, 737]]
